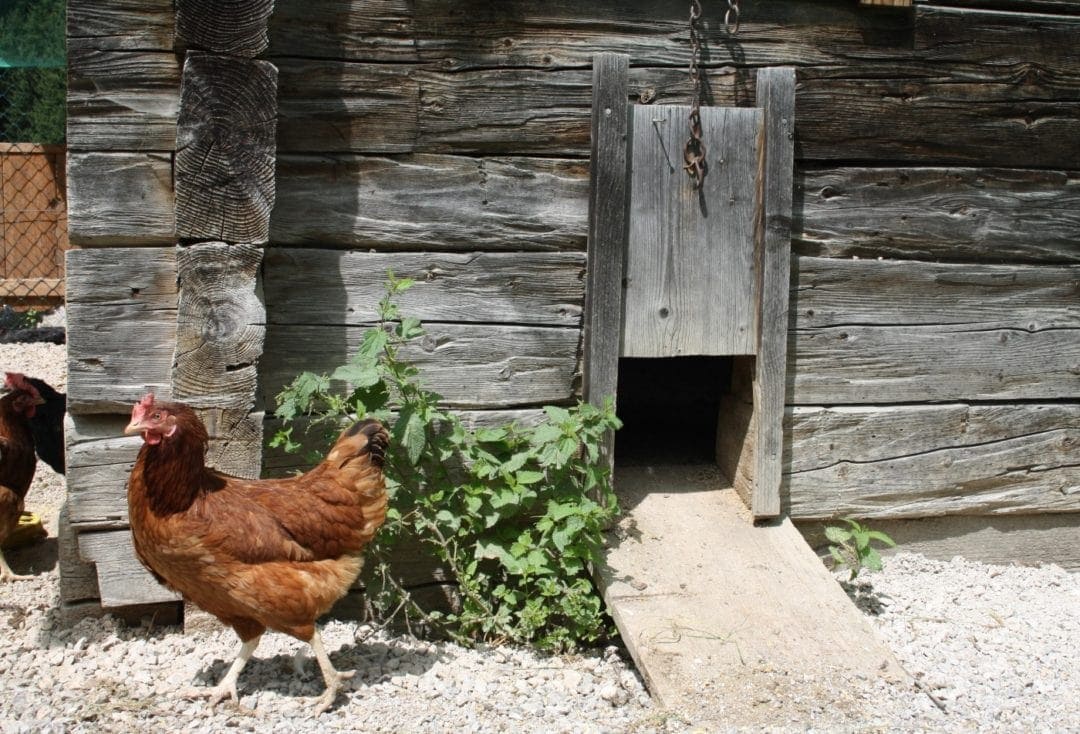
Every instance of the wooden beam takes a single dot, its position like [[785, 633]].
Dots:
[[870, 331], [480, 366], [307, 286], [690, 286], [958, 214], [121, 100], [237, 28], [122, 24], [927, 460], [776, 95], [122, 580], [430, 202], [121, 318], [120, 199], [609, 198], [225, 149]]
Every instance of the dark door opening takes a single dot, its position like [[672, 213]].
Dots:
[[669, 407]]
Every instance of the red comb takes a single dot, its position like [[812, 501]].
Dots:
[[143, 406]]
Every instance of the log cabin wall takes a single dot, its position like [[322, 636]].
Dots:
[[934, 334]]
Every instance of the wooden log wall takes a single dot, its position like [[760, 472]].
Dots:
[[934, 336]]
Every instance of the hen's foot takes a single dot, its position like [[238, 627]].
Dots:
[[214, 695], [333, 688]]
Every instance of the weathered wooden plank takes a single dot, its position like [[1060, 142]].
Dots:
[[237, 28], [1039, 42], [870, 331], [1066, 7], [121, 318], [963, 214], [78, 579], [99, 461], [120, 199], [567, 33], [236, 441], [690, 280], [609, 200], [430, 202], [226, 148], [305, 286], [121, 100], [1030, 540], [333, 106], [123, 581], [470, 365], [122, 24], [776, 95], [836, 292], [220, 325], [944, 114], [926, 460]]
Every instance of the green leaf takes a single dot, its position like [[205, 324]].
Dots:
[[557, 414], [357, 375], [528, 477], [413, 438], [872, 559], [878, 535], [837, 534]]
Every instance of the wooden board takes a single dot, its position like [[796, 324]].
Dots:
[[120, 199], [690, 269], [220, 326], [776, 96], [705, 601], [430, 202], [121, 319], [926, 460], [470, 365], [609, 199], [1029, 540], [959, 214], [237, 28], [507, 288], [870, 331], [226, 148], [121, 100], [122, 580], [122, 24]]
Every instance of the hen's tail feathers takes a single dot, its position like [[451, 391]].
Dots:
[[357, 457]]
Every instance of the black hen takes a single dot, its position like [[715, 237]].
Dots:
[[47, 425]]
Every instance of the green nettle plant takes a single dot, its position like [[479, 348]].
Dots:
[[516, 512], [850, 546]]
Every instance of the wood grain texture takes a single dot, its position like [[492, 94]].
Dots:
[[122, 24], [870, 331], [923, 113], [99, 461], [120, 199], [233, 27], [121, 318], [470, 365], [220, 325], [609, 200], [926, 460], [122, 580], [690, 268], [344, 29], [430, 202], [999, 38], [78, 579], [121, 100], [961, 214], [307, 286], [776, 96], [225, 137]]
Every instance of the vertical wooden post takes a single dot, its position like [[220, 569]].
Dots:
[[608, 198], [776, 94]]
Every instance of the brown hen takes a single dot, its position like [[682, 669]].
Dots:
[[257, 554], [18, 403]]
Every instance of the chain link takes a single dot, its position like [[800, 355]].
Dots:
[[731, 17], [694, 150]]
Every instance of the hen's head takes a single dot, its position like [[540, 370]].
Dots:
[[26, 397], [154, 421]]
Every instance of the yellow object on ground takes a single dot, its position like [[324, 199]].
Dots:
[[29, 530]]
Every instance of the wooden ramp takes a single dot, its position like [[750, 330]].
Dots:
[[718, 613]]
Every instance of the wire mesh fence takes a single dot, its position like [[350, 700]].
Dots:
[[33, 191]]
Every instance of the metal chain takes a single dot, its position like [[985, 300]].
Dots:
[[731, 17], [694, 150]]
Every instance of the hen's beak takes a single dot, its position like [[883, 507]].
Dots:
[[39, 401], [132, 428]]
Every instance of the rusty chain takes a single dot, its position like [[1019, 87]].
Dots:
[[694, 151]]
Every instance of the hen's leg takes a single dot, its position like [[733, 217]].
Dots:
[[227, 687], [332, 677], [6, 574]]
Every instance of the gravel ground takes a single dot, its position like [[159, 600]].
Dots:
[[989, 648]]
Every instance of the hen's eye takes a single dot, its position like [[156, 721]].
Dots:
[[157, 416]]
